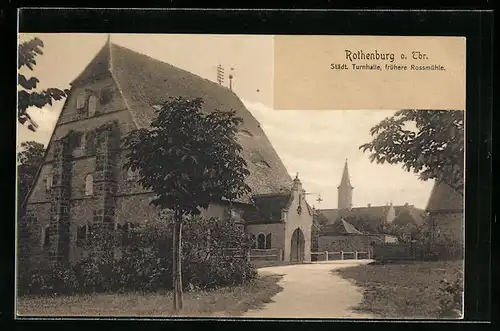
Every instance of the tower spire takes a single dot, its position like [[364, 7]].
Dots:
[[345, 189]]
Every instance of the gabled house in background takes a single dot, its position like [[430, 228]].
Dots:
[[81, 184], [446, 212], [369, 218]]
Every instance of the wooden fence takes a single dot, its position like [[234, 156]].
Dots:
[[341, 255]]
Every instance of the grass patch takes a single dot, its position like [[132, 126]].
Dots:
[[227, 301], [402, 290]]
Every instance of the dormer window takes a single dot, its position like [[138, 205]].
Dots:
[[245, 133], [263, 164], [92, 106]]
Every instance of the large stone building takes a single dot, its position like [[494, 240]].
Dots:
[[81, 184], [369, 219]]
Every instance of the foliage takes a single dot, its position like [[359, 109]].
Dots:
[[430, 143], [29, 161], [144, 263], [27, 53]]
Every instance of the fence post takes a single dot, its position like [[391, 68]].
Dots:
[[341, 255], [368, 254], [326, 254], [355, 255]]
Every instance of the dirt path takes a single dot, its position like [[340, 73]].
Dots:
[[312, 291]]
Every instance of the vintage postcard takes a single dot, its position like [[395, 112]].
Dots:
[[241, 176]]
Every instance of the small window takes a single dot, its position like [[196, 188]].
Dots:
[[92, 105], [89, 185], [83, 234], [131, 175], [268, 241], [261, 241], [83, 141], [48, 182], [80, 101], [90, 143], [127, 233], [46, 236]]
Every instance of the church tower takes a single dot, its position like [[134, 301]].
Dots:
[[345, 190]]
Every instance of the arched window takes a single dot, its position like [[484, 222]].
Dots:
[[261, 241], [92, 105], [89, 185], [268, 241]]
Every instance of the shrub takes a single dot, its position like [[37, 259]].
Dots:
[[450, 304], [214, 255]]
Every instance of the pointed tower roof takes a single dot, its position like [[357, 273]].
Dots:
[[345, 181]]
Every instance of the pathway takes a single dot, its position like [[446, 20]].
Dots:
[[312, 291]]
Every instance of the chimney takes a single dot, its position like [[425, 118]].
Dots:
[[369, 205]]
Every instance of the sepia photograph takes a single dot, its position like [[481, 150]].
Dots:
[[195, 175]]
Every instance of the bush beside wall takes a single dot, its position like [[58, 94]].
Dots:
[[145, 261]]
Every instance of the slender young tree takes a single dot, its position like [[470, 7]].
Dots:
[[189, 159], [27, 97], [427, 142]]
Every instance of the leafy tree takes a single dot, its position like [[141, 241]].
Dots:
[[27, 53], [29, 161], [189, 159], [431, 143]]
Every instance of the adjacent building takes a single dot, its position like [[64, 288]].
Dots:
[[369, 219]]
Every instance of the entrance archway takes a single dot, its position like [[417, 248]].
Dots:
[[297, 246]]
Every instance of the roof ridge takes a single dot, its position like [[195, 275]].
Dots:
[[171, 65]]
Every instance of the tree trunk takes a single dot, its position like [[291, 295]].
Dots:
[[174, 264], [179, 267]]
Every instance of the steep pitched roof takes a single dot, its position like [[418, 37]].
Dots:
[[444, 198], [341, 227], [146, 82]]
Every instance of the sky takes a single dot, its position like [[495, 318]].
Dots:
[[314, 144]]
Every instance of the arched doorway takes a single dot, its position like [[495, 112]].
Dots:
[[297, 246]]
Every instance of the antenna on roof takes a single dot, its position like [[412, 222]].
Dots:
[[220, 74], [231, 79]]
